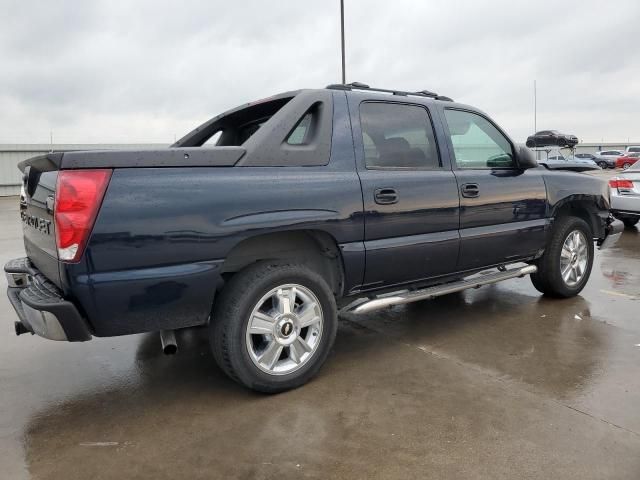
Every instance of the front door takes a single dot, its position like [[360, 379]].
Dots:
[[410, 195], [502, 207]]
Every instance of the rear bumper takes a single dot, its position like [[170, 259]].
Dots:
[[625, 203], [40, 307]]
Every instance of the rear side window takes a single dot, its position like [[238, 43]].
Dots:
[[397, 136], [301, 133], [477, 143]]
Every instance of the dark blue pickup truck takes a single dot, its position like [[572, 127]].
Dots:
[[264, 221]]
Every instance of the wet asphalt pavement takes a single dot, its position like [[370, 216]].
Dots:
[[496, 383]]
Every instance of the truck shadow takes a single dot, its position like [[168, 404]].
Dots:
[[148, 415], [551, 344]]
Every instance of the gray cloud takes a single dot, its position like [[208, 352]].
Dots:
[[147, 71]]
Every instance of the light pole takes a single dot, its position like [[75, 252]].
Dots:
[[344, 80], [535, 107]]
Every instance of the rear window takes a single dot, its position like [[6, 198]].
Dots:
[[235, 127], [397, 136]]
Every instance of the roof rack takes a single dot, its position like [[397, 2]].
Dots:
[[364, 86]]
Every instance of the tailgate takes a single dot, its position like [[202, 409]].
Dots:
[[36, 211]]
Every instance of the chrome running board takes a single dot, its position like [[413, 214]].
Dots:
[[366, 306]]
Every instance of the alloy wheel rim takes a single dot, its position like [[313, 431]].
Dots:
[[284, 329], [574, 258]]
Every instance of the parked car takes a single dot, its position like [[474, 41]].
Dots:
[[546, 138], [632, 149], [308, 201], [560, 162], [609, 156], [625, 195], [627, 160], [591, 158]]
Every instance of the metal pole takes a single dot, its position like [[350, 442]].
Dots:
[[535, 107], [342, 39]]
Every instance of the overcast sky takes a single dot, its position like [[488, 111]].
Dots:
[[149, 71]]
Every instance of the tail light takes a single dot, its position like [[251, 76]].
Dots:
[[78, 197], [620, 183]]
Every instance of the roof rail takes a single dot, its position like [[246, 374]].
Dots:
[[364, 86]]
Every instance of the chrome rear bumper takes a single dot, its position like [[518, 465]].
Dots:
[[40, 307]]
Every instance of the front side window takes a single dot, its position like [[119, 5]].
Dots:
[[397, 136], [477, 143]]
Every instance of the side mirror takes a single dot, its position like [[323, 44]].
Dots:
[[525, 158]]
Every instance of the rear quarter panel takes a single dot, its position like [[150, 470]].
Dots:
[[161, 236]]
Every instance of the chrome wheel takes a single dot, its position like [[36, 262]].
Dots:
[[284, 329], [574, 258]]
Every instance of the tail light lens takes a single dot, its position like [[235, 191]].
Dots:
[[620, 183], [78, 197]]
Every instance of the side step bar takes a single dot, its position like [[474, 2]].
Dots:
[[360, 307]]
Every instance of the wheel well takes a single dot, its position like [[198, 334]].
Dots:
[[314, 248], [583, 209]]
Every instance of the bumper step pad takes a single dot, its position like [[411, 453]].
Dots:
[[40, 304]]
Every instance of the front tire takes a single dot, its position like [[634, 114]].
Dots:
[[273, 326], [565, 266], [603, 165], [626, 166]]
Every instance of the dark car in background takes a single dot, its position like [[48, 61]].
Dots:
[[590, 157], [546, 138]]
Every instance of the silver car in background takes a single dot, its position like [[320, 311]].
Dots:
[[625, 195], [608, 157]]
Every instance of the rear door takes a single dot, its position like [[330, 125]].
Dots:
[[410, 194], [502, 207]]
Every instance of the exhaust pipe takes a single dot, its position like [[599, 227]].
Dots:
[[168, 341], [21, 328]]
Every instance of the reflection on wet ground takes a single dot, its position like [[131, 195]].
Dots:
[[492, 383]]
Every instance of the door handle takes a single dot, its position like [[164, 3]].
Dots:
[[470, 190], [385, 196]]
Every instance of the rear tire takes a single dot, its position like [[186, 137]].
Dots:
[[626, 166], [273, 326], [565, 266], [603, 165]]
